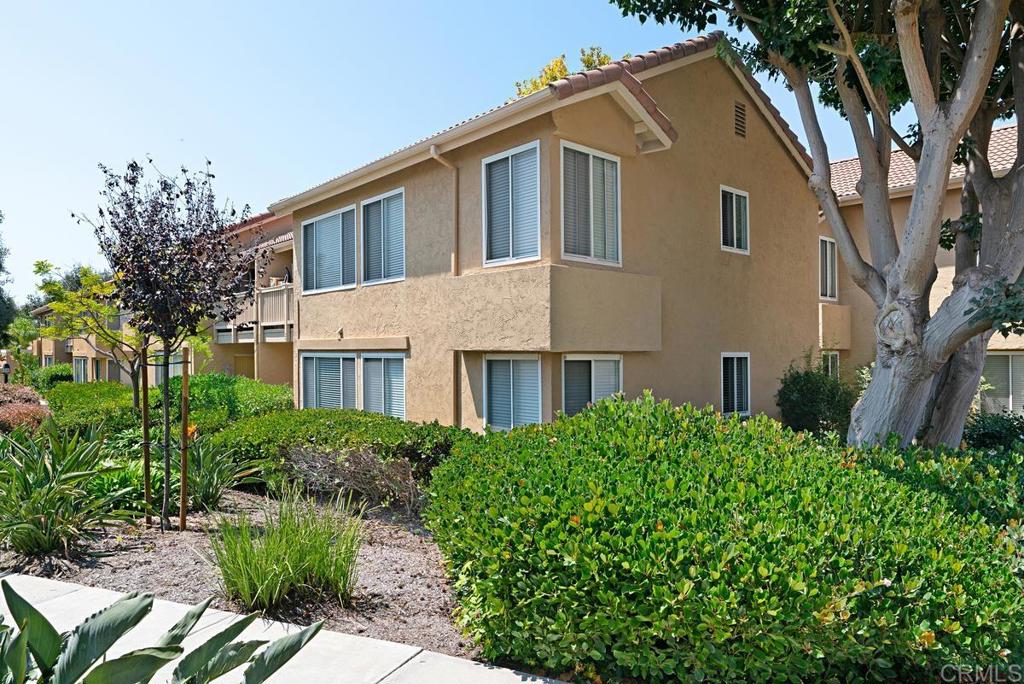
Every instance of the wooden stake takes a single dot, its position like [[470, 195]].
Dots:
[[183, 504], [147, 464]]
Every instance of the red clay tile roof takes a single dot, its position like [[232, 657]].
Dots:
[[1002, 153], [625, 70]]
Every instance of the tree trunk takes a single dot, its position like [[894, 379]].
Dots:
[[165, 393], [955, 392], [136, 396], [895, 400]]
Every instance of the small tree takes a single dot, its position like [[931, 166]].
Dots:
[[84, 306], [590, 58], [22, 332], [176, 261]]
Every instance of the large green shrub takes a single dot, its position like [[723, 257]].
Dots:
[[77, 406], [994, 430], [216, 399], [811, 399], [46, 377], [641, 540], [300, 547], [269, 437]]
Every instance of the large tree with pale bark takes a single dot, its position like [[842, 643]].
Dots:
[[957, 65]]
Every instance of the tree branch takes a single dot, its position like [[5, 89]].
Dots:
[[922, 92], [982, 50]]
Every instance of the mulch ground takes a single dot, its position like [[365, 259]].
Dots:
[[401, 595]]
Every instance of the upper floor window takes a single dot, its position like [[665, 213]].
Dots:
[[735, 220], [329, 381], [329, 251], [827, 280], [590, 204], [513, 391], [511, 199], [736, 383], [588, 379], [384, 384], [384, 238]]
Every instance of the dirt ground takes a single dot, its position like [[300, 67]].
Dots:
[[401, 595]]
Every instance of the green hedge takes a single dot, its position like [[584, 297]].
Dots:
[[640, 540], [994, 430], [216, 399], [269, 436], [46, 377], [76, 406]]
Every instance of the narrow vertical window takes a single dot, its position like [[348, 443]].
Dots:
[[735, 220], [736, 384], [513, 392], [590, 204], [830, 363], [384, 385], [384, 238], [827, 268], [511, 197]]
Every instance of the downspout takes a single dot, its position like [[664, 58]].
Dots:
[[456, 365]]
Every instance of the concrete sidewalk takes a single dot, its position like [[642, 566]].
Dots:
[[330, 658]]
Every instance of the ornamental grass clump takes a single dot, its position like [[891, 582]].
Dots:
[[638, 540], [296, 547]]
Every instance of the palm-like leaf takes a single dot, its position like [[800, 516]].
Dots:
[[278, 653], [43, 640], [91, 639]]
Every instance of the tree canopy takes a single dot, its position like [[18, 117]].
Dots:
[[590, 58]]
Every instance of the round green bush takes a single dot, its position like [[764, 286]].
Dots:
[[640, 540], [994, 430], [811, 399], [45, 377], [77, 406]]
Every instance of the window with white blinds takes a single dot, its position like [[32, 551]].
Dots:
[[590, 204], [588, 380], [81, 369], [735, 220], [511, 189], [827, 274], [329, 251], [736, 383], [384, 385], [384, 238], [513, 393], [329, 381], [1004, 383]]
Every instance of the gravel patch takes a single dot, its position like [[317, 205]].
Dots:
[[401, 595]]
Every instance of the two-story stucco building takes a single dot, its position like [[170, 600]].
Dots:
[[645, 225]]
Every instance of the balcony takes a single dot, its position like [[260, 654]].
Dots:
[[275, 304], [266, 319]]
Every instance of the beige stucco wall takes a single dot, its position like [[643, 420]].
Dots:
[[274, 363], [677, 303]]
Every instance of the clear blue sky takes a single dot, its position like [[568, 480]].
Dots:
[[279, 95]]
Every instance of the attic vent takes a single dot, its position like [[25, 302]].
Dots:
[[739, 112]]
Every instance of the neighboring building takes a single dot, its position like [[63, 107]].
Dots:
[[1004, 365], [642, 225]]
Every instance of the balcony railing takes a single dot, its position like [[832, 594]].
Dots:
[[275, 304]]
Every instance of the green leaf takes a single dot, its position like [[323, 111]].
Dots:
[[94, 637], [205, 654], [43, 639], [278, 653], [134, 667], [176, 634], [16, 656], [231, 656]]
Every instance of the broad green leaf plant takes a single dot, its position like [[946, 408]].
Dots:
[[34, 652]]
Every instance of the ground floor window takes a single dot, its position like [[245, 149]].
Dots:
[[512, 391], [48, 360], [174, 369], [830, 363], [329, 381], [1003, 383], [80, 367], [97, 369], [384, 385], [588, 379], [736, 383]]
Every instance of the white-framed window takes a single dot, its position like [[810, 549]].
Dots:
[[1004, 381], [174, 367], [329, 251], [97, 369], [828, 279], [47, 360], [512, 390], [587, 379], [384, 384], [383, 237], [328, 380], [736, 383], [511, 205], [830, 363], [591, 212], [735, 220], [80, 368]]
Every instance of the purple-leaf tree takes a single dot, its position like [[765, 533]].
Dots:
[[178, 262]]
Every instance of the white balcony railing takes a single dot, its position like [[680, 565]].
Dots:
[[275, 304]]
